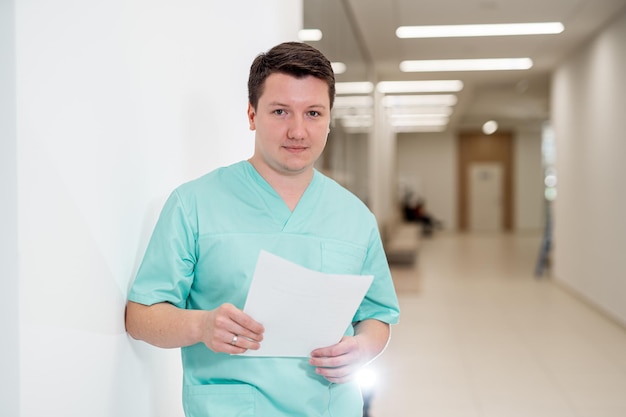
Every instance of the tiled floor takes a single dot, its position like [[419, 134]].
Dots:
[[480, 336]]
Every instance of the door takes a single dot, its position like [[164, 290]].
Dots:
[[478, 148], [485, 196]]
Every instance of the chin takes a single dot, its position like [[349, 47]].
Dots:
[[296, 168]]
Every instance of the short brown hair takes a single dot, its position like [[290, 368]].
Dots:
[[292, 58]]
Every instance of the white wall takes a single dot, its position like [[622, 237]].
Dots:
[[357, 163], [427, 164], [117, 103], [589, 98], [9, 307], [528, 180]]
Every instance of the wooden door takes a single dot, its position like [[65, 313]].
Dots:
[[478, 148]]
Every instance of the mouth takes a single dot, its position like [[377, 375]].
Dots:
[[295, 148]]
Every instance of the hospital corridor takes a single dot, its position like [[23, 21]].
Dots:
[[481, 336], [489, 140]]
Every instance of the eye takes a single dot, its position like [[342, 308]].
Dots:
[[279, 112], [314, 113]]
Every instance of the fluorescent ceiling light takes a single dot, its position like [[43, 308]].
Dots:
[[357, 121], [411, 129], [506, 29], [419, 121], [420, 100], [339, 112], [419, 86], [309, 35], [364, 87], [338, 67], [440, 65], [354, 101], [432, 110]]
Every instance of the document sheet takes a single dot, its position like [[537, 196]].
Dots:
[[301, 309]]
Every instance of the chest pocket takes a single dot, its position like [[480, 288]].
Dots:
[[341, 258]]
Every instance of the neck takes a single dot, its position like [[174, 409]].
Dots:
[[289, 187]]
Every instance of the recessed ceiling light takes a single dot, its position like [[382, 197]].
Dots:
[[490, 127], [419, 86], [506, 29], [310, 35], [491, 64]]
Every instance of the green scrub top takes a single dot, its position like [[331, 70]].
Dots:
[[203, 253]]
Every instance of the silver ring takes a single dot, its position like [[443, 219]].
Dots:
[[234, 340]]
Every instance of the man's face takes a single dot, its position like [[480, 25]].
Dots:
[[291, 123]]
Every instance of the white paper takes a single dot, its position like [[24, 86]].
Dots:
[[301, 309]]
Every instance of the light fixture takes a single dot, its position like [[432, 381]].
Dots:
[[353, 101], [338, 67], [309, 35], [387, 87], [418, 120], [501, 29], [433, 110], [339, 112], [420, 100], [425, 129], [357, 121], [441, 65], [356, 87], [490, 127]]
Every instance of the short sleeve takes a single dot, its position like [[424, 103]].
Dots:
[[381, 301], [166, 272]]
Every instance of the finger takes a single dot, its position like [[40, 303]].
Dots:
[[242, 342], [337, 375], [246, 333], [249, 323], [227, 324], [242, 324], [330, 361], [335, 351], [228, 344]]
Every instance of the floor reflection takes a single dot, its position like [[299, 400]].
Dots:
[[481, 336]]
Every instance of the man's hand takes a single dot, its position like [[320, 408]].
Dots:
[[225, 329], [339, 363], [230, 330]]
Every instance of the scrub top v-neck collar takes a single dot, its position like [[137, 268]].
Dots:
[[286, 218]]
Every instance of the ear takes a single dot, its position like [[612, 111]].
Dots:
[[251, 116]]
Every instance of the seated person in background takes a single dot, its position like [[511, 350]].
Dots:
[[414, 209]]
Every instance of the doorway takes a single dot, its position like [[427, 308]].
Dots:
[[485, 181], [485, 196]]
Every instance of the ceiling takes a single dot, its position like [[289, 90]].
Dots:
[[361, 34]]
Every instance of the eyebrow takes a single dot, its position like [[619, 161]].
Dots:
[[279, 104]]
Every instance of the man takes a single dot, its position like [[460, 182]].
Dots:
[[192, 284]]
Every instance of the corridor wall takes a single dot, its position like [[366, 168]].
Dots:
[[588, 102], [115, 104], [9, 306]]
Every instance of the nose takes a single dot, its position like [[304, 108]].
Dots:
[[297, 129]]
